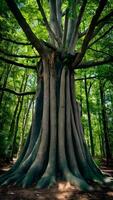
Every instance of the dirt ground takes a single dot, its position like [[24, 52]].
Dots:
[[61, 191]]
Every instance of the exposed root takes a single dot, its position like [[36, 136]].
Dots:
[[80, 183], [46, 181], [10, 180], [57, 135]]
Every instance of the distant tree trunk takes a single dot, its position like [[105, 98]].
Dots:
[[6, 75], [101, 139], [16, 130], [81, 100], [105, 124], [89, 119], [17, 120], [101, 136], [13, 121], [26, 115]]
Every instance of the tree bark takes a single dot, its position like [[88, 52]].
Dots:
[[55, 147]]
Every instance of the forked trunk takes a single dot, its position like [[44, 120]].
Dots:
[[55, 147]]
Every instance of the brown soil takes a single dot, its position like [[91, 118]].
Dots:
[[61, 191]]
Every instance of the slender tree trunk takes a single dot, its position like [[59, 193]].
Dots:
[[105, 125], [5, 82], [89, 119], [13, 121], [25, 119], [17, 121], [101, 137]]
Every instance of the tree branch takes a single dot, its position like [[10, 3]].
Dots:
[[75, 32], [54, 21], [14, 41], [83, 33], [17, 56], [92, 63], [17, 93], [71, 21], [91, 77], [25, 26], [90, 32], [106, 18], [101, 36], [99, 51], [59, 11], [18, 64], [65, 28], [102, 22], [46, 22]]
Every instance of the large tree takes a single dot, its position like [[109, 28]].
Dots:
[[55, 146]]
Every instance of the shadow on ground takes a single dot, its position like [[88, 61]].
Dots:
[[62, 191]]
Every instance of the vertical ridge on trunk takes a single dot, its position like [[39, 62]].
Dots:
[[55, 148], [49, 175]]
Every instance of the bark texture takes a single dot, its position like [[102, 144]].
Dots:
[[55, 147]]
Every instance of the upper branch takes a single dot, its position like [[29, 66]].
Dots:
[[46, 22], [90, 32], [59, 11], [13, 41], [111, 28], [71, 21], [17, 64], [93, 63], [100, 51], [17, 56], [106, 18], [17, 93], [102, 22], [75, 33], [65, 28], [25, 26], [54, 21], [91, 77]]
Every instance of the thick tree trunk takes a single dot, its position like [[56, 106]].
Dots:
[[55, 147]]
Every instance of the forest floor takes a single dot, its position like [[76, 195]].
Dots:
[[61, 191]]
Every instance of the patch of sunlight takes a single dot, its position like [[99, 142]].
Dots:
[[108, 179], [65, 191], [5, 168], [65, 186], [64, 195], [110, 194], [8, 166]]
